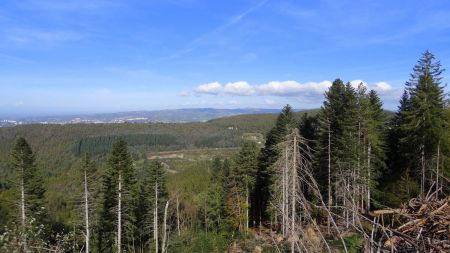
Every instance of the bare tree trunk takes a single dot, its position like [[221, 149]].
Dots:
[[284, 195], [86, 211], [364, 187], [164, 242], [178, 217], [437, 167], [206, 219], [369, 150], [422, 183], [330, 200], [346, 191], [239, 212], [246, 210], [119, 215], [357, 188], [294, 195], [22, 208], [155, 219], [22, 201]]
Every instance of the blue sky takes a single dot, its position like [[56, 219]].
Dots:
[[77, 56]]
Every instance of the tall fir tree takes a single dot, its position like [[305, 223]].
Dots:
[[242, 176], [268, 156], [373, 147], [425, 121], [216, 196], [151, 198], [398, 155], [330, 130], [32, 212], [117, 217], [89, 203], [309, 129]]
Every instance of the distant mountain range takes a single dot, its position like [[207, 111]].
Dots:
[[165, 116]]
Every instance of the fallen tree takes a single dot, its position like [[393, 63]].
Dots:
[[423, 225]]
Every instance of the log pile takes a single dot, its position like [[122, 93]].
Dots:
[[423, 225]]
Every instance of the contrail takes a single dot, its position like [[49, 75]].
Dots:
[[233, 21]]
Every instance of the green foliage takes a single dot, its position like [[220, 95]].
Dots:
[[268, 155], [153, 180], [420, 125], [338, 116], [22, 162], [240, 183], [214, 195], [354, 243], [121, 170], [102, 144]]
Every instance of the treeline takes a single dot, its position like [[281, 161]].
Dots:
[[59, 146], [103, 144], [310, 188]]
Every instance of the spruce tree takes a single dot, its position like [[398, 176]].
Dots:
[[425, 121], [88, 173], [268, 156], [399, 154], [31, 188], [309, 129], [244, 175], [374, 146], [154, 181], [329, 131], [117, 217], [216, 195]]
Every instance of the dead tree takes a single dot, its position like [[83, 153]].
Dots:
[[164, 240], [294, 182], [178, 217], [330, 199]]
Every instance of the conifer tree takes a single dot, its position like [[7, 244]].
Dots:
[[88, 171], [31, 186], [329, 132], [374, 147], [243, 174], [150, 205], [425, 121], [117, 217], [398, 155], [268, 156], [309, 129], [216, 195]]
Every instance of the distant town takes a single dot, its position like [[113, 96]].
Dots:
[[160, 116]]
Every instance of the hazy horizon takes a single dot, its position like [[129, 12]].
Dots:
[[91, 113]]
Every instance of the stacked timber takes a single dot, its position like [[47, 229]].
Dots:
[[423, 225]]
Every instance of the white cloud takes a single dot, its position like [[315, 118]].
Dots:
[[240, 88], [233, 102], [386, 91], [209, 88], [382, 86], [308, 91], [293, 88], [273, 88], [355, 83]]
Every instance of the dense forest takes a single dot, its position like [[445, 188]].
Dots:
[[334, 179]]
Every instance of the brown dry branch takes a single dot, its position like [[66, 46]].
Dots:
[[423, 225]]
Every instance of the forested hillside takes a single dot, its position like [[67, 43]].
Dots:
[[335, 179]]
